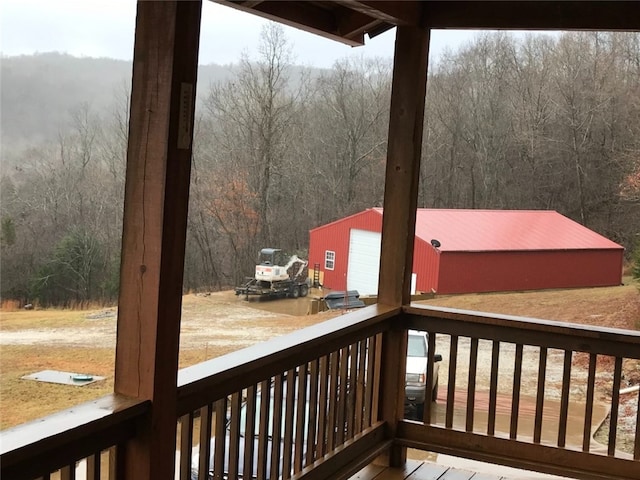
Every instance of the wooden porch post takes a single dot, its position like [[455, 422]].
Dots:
[[155, 218], [400, 202]]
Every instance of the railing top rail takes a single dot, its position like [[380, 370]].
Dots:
[[237, 370], [464, 322], [72, 433]]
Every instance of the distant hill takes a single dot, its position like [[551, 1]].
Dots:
[[38, 92]]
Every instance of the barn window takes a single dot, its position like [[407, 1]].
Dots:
[[329, 259]]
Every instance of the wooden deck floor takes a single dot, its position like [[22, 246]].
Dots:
[[419, 470]]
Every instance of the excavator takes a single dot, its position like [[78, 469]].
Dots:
[[277, 275]]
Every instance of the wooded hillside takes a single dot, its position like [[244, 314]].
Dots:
[[534, 123]]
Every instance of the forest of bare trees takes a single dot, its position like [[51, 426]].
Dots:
[[536, 122]]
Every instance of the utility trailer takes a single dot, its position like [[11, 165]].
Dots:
[[277, 275]]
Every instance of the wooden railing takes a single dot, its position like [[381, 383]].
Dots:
[[305, 405], [492, 359], [79, 442]]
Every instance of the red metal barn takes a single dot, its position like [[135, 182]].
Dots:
[[479, 251]]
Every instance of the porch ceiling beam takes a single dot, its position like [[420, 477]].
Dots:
[[302, 15], [391, 12], [534, 15], [163, 92]]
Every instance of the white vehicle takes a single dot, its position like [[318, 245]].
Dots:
[[416, 374]]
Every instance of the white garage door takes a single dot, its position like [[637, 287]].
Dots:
[[364, 262]]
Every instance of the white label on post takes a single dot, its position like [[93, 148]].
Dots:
[[184, 120]]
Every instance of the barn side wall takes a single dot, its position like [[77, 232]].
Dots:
[[464, 272], [335, 237], [426, 265]]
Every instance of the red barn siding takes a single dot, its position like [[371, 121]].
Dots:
[[426, 265], [484, 250], [335, 237], [463, 272]]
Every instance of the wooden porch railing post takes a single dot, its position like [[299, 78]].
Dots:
[[400, 202], [155, 218]]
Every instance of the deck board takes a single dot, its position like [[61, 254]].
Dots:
[[369, 472], [403, 473], [455, 474], [419, 470], [486, 476], [429, 471]]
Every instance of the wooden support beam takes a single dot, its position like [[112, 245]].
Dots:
[[399, 218], [534, 15], [155, 218], [403, 165]]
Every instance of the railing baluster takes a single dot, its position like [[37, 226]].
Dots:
[[321, 443], [375, 394], [515, 395], [313, 412], [588, 412], [219, 451], [186, 436], [289, 404], [451, 385], [351, 390], [342, 396], [542, 375], [115, 466], [369, 404], [68, 472], [471, 385], [615, 403], [204, 449], [263, 429], [93, 467], [636, 449], [360, 385], [234, 435], [301, 418], [431, 346], [564, 401], [249, 432], [276, 425], [493, 388], [333, 389]]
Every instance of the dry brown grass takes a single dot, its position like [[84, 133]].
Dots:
[[53, 318], [24, 400], [617, 307]]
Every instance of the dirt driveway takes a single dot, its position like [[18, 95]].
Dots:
[[219, 322]]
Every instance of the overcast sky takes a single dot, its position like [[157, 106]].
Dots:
[[104, 28]]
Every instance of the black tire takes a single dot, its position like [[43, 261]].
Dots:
[[434, 392], [304, 290], [419, 411], [295, 292]]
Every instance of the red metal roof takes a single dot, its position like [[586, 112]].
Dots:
[[492, 230]]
